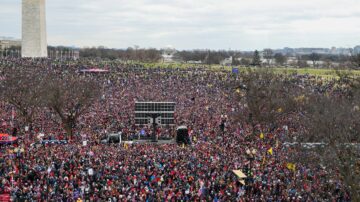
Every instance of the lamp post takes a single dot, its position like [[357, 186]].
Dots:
[[250, 155], [120, 138]]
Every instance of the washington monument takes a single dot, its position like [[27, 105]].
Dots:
[[34, 42]]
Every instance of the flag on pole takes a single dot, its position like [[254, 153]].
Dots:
[[13, 113], [270, 151], [264, 160], [291, 166]]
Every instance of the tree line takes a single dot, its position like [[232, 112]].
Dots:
[[130, 54], [264, 58]]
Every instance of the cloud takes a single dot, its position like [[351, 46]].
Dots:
[[188, 24]]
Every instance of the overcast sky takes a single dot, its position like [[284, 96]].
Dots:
[[194, 24]]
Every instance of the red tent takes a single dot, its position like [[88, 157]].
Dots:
[[6, 138]]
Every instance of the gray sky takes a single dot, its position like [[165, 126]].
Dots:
[[193, 24]]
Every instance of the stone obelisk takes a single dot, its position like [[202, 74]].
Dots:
[[34, 42]]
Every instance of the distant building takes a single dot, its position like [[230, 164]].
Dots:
[[333, 51], [292, 52], [288, 51], [308, 51], [343, 51], [357, 50], [168, 54], [292, 60], [266, 61], [227, 61], [167, 58], [8, 43], [311, 63], [63, 53]]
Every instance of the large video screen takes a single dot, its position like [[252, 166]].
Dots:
[[164, 110]]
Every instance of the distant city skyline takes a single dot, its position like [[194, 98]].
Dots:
[[201, 24]]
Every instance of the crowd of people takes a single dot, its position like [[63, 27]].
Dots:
[[201, 171]]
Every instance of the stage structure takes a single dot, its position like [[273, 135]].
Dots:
[[155, 113]]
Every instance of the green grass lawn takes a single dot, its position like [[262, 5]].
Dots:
[[325, 73], [321, 72]]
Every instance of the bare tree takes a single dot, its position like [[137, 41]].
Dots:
[[69, 96], [22, 88], [334, 122], [280, 59], [245, 62], [267, 96], [268, 55], [356, 61], [301, 62], [314, 57]]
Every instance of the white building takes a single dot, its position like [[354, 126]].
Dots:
[[357, 49], [227, 61], [168, 54]]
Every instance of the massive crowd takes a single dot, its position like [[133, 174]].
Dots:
[[201, 171]]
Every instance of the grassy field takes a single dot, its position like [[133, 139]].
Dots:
[[326, 73]]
